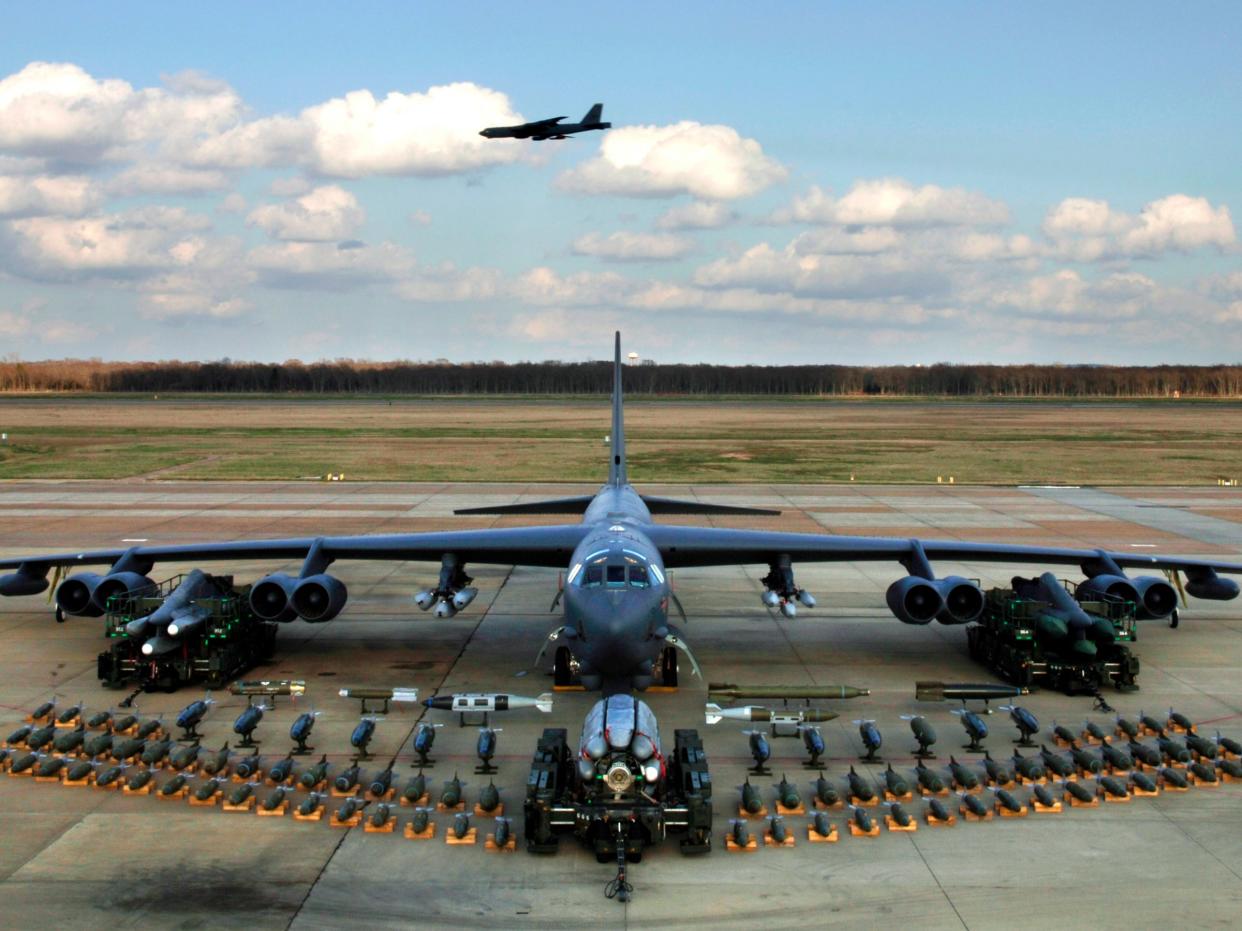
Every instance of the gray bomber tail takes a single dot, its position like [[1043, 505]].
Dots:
[[593, 115], [616, 465]]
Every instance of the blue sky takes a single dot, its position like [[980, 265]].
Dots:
[[802, 182]]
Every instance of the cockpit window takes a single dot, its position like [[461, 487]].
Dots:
[[616, 576], [638, 576], [593, 577]]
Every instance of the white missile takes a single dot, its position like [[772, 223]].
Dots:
[[398, 694], [488, 701], [714, 714]]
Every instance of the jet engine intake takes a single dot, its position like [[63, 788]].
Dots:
[[119, 584], [963, 601], [1114, 586], [269, 598], [1157, 598], [914, 600], [76, 595], [319, 598]]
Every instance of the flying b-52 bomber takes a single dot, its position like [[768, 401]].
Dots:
[[551, 128], [616, 626]]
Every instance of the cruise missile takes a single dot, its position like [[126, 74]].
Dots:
[[294, 687], [486, 701], [966, 691], [398, 694], [714, 714], [177, 606], [730, 691]]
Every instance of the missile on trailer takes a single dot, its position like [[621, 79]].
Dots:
[[487, 701], [966, 691], [714, 714], [730, 691], [268, 687]]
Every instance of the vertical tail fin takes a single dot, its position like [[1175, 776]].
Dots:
[[616, 466], [593, 115]]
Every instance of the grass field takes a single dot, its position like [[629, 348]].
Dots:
[[669, 441]]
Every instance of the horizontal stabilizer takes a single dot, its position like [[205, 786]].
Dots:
[[575, 505], [674, 506]]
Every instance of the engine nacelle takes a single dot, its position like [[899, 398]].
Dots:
[[1153, 597], [1115, 586], [319, 598], [76, 595], [1200, 583], [963, 601], [914, 600], [119, 584], [1157, 598], [269, 597]]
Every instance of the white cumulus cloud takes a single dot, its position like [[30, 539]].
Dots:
[[709, 162], [43, 194], [633, 247], [324, 214], [1086, 230], [696, 215], [894, 202]]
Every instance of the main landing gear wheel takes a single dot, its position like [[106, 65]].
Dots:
[[562, 672]]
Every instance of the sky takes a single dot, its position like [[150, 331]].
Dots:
[[886, 183]]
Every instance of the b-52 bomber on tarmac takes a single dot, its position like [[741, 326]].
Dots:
[[551, 128], [616, 592]]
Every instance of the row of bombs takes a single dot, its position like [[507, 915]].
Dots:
[[861, 797], [127, 737], [1179, 750], [238, 792]]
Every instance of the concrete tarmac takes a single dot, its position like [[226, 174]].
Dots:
[[81, 856]]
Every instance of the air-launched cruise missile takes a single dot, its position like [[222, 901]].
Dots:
[[178, 605], [466, 702], [713, 714], [976, 729], [966, 691], [1027, 724], [1062, 619], [728, 691]]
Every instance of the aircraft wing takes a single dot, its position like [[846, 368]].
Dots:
[[516, 546], [708, 546]]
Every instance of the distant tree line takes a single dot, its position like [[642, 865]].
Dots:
[[348, 376]]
